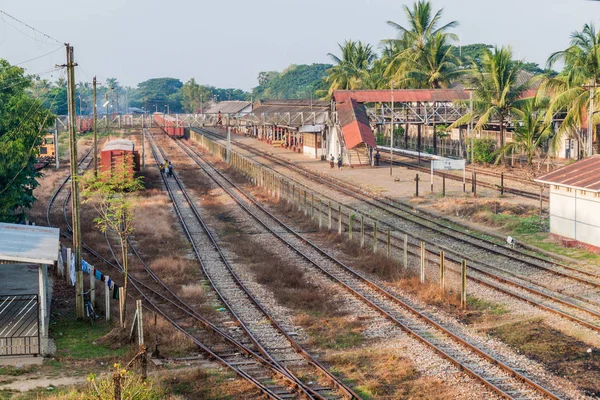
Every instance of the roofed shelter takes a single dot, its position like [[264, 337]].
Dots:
[[575, 203], [24, 314]]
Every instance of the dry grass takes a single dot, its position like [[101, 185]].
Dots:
[[383, 374], [331, 332], [290, 285], [211, 384], [170, 341], [478, 210], [561, 354]]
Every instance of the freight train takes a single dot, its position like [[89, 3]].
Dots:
[[119, 156], [169, 125]]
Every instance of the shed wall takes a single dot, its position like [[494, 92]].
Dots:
[[575, 214]]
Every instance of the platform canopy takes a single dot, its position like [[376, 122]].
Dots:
[[31, 244]]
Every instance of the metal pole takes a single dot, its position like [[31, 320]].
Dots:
[[590, 122], [95, 131], [392, 133]]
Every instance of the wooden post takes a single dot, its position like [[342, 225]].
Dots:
[[329, 216], [501, 183], [405, 255], [442, 270], [339, 219], [443, 185], [117, 384], [475, 184], [107, 297], [362, 231], [374, 236], [93, 289], [422, 262], [389, 243], [350, 225], [417, 186], [122, 307], [68, 267], [320, 214], [463, 288]]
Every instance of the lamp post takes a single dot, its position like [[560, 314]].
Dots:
[[392, 133]]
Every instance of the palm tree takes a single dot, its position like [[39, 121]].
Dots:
[[568, 91], [436, 68], [531, 131], [422, 55], [349, 69], [498, 90], [423, 24]]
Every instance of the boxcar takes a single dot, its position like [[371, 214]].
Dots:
[[119, 156], [171, 126]]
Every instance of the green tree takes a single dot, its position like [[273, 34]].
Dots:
[[531, 132], [111, 196], [498, 90], [194, 96], [471, 53], [158, 93], [568, 90], [349, 69], [423, 56], [23, 120], [295, 82]]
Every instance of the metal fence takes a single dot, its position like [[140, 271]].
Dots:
[[19, 325]]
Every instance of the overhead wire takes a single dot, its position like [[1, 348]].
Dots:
[[37, 58], [30, 27]]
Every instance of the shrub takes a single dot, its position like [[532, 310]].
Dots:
[[484, 150]]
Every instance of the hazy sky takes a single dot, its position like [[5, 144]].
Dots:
[[226, 43]]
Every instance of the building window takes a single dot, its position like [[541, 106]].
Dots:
[[568, 190], [583, 192]]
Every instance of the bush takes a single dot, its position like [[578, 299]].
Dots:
[[484, 150], [132, 387]]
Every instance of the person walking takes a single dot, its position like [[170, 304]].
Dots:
[[166, 167], [170, 171], [331, 161], [377, 158], [339, 160]]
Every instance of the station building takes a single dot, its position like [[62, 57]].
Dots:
[[575, 202]]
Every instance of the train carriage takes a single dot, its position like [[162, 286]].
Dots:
[[119, 156], [169, 125]]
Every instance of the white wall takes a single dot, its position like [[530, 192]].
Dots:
[[575, 214]]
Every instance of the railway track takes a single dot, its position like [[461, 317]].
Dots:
[[454, 177], [525, 276], [483, 366], [268, 335], [271, 380]]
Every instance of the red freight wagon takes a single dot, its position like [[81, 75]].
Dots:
[[120, 156], [171, 126]]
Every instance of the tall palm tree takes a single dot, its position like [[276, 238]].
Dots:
[[436, 68], [568, 90], [349, 69], [531, 131], [498, 90], [422, 24], [422, 55]]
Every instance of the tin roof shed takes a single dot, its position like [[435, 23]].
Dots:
[[29, 244], [581, 175]]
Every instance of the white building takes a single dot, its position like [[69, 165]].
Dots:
[[575, 203]]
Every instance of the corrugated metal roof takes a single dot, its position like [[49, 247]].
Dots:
[[355, 124], [119, 144], [290, 106], [583, 175], [25, 243], [401, 95], [229, 107]]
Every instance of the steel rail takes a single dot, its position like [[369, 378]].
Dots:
[[183, 307], [380, 291], [517, 257], [347, 392]]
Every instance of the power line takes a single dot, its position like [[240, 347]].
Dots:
[[37, 58], [30, 27]]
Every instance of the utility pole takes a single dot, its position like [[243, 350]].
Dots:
[[590, 134], [95, 132], [392, 133], [74, 182]]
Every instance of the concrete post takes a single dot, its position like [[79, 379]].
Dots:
[[389, 243], [374, 236], [340, 219], [463, 289], [422, 262], [107, 297], [350, 225], [93, 289], [43, 297], [442, 270], [329, 216], [405, 256], [362, 231]]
